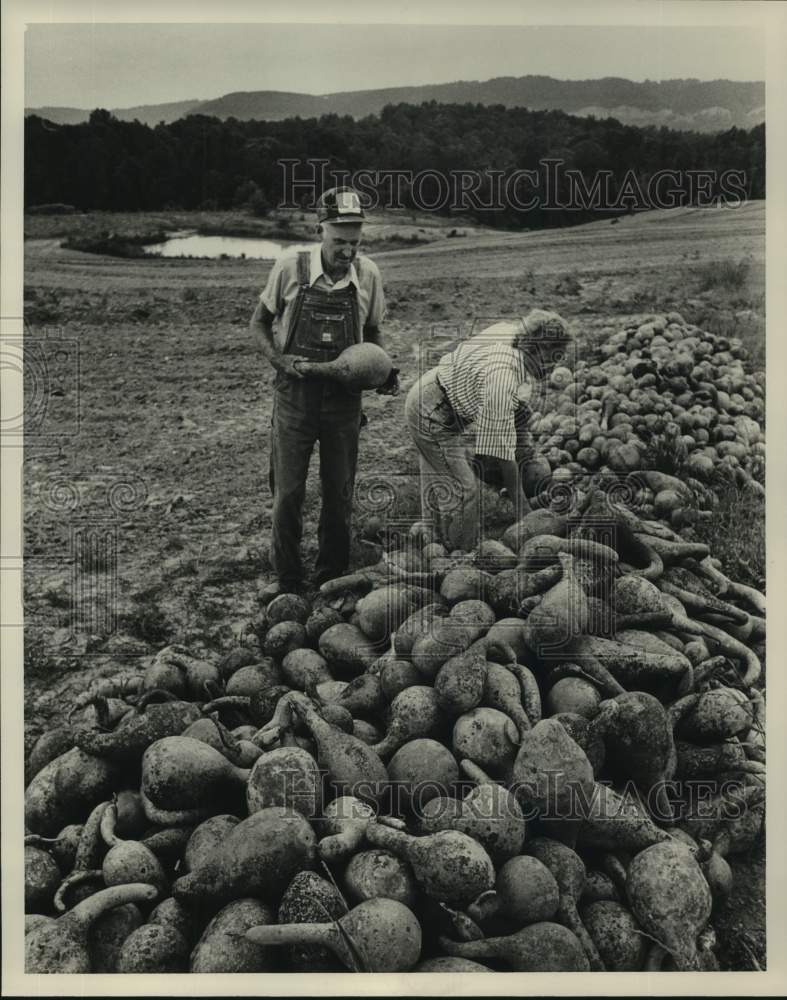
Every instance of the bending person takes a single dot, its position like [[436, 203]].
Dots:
[[477, 389]]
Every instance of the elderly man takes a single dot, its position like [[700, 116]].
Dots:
[[479, 387], [314, 305]]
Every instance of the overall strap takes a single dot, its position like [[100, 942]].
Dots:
[[360, 267], [304, 268]]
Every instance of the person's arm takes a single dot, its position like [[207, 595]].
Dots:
[[496, 432], [371, 330], [261, 327], [372, 335]]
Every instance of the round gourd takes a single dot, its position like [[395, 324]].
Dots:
[[288, 608], [283, 638], [575, 695], [560, 377], [320, 620]]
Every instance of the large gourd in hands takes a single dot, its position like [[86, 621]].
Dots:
[[360, 366]]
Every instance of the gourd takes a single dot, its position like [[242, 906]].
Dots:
[[359, 366]]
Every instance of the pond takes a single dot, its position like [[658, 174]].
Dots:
[[188, 244]]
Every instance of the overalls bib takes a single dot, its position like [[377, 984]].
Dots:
[[323, 323]]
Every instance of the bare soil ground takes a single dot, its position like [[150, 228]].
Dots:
[[147, 519]]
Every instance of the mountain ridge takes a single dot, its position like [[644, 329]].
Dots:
[[684, 103]]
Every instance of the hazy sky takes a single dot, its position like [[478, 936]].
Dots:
[[122, 65]]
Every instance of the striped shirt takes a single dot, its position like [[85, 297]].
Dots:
[[481, 379]]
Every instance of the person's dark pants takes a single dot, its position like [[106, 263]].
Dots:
[[306, 411]]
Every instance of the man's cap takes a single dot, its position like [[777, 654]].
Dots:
[[340, 204]]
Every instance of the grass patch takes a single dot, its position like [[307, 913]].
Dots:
[[42, 305], [736, 533], [725, 274], [665, 453], [109, 244], [95, 225]]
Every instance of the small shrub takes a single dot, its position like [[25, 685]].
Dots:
[[569, 284], [258, 205], [724, 274], [111, 245], [529, 281], [665, 453]]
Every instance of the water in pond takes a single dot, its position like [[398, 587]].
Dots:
[[194, 245]]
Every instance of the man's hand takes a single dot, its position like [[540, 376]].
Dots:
[[391, 385], [371, 335], [285, 365], [261, 327]]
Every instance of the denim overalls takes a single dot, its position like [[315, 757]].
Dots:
[[309, 410]]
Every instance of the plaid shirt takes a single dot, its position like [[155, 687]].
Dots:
[[480, 379]]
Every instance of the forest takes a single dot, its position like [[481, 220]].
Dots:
[[207, 163]]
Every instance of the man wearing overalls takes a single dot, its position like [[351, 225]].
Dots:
[[315, 304]]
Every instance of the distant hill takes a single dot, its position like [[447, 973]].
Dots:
[[273, 105], [63, 116], [148, 114], [701, 105], [152, 114]]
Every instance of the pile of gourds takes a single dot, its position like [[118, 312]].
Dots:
[[471, 762], [658, 394]]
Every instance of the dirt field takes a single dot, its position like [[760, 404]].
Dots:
[[148, 519]]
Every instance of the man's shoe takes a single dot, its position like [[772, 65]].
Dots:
[[268, 591], [326, 575]]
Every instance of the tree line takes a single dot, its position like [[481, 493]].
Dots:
[[208, 163]]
